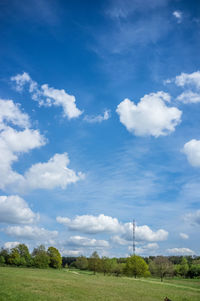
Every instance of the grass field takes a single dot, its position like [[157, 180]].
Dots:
[[32, 284]]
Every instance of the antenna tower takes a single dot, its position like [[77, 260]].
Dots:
[[133, 237]]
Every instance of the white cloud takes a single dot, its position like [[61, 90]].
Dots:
[[21, 80], [116, 239], [193, 218], [180, 251], [61, 98], [51, 174], [11, 244], [48, 175], [73, 253], [188, 79], [91, 224], [80, 241], [151, 116], [11, 113], [178, 15], [189, 97], [184, 235], [98, 118], [31, 233], [48, 96], [143, 233], [96, 224], [15, 210], [192, 150]]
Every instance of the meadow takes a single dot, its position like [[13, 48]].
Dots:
[[24, 284]]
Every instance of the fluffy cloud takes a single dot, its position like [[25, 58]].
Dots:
[[31, 233], [151, 116], [15, 210], [188, 79], [48, 96], [180, 251], [184, 235], [10, 112], [10, 148], [80, 241], [98, 118], [11, 244], [143, 233], [193, 218], [189, 97], [192, 150], [51, 174], [178, 15], [91, 224], [96, 224], [73, 253]]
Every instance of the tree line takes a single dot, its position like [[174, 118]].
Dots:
[[134, 266]]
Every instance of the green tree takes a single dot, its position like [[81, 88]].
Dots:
[[94, 262], [25, 256], [14, 257], [5, 254], [2, 260], [106, 265], [161, 266], [81, 263], [55, 258], [40, 257], [136, 266]]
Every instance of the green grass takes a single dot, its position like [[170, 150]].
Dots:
[[21, 284]]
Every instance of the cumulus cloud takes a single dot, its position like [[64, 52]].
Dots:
[[15, 210], [11, 244], [178, 15], [98, 118], [180, 251], [184, 235], [31, 233], [80, 241], [188, 79], [192, 150], [151, 116], [48, 96], [189, 97], [91, 224], [73, 253], [143, 233], [193, 218], [11, 113], [51, 174]]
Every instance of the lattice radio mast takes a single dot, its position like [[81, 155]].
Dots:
[[133, 237]]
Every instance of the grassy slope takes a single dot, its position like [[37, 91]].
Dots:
[[33, 284]]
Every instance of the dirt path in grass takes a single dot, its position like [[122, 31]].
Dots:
[[166, 283]]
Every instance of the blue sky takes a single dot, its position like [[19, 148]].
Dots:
[[99, 124]]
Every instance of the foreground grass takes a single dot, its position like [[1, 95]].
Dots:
[[18, 284]]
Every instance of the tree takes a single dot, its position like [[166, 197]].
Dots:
[[5, 254], [25, 256], [94, 262], [136, 266], [81, 263], [40, 257], [106, 265], [2, 260], [182, 268], [55, 258], [161, 267], [14, 257]]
